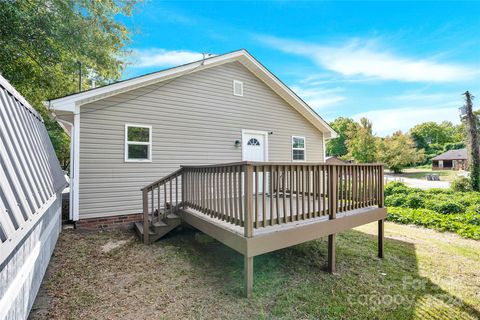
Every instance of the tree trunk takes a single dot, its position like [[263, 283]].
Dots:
[[472, 143]]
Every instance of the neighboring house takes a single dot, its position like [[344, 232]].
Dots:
[[221, 144], [451, 160], [31, 185], [336, 160]]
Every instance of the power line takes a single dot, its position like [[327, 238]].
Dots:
[[145, 93]]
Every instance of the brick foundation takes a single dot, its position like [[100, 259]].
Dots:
[[109, 223]]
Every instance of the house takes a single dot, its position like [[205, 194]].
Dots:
[[31, 185], [337, 160], [221, 144], [451, 160]]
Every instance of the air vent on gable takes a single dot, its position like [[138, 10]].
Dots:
[[237, 88]]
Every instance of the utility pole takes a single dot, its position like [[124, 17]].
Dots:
[[473, 141], [79, 76]]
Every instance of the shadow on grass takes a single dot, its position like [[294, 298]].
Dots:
[[292, 283]]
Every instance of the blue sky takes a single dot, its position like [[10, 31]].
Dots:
[[398, 64]]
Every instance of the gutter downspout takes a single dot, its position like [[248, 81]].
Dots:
[[72, 185]]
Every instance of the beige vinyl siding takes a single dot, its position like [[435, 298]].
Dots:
[[195, 119]]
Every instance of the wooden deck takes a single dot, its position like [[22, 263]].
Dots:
[[256, 208], [276, 237]]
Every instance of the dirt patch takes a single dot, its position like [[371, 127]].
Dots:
[[111, 245]]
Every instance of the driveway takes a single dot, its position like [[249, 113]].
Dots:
[[419, 183]]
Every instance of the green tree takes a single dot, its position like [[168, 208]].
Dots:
[[361, 142], [41, 42], [338, 146], [453, 132], [431, 135], [398, 151], [427, 133]]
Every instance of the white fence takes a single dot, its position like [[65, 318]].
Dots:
[[31, 182]]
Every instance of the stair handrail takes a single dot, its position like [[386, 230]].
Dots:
[[145, 190], [163, 179]]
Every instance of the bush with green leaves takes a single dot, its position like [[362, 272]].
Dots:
[[396, 188], [395, 200], [466, 225], [415, 200], [449, 207], [461, 184], [439, 209]]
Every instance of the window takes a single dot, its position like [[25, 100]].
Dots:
[[298, 148], [138, 143], [253, 142], [237, 88]]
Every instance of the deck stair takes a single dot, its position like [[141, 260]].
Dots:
[[161, 203], [158, 228]]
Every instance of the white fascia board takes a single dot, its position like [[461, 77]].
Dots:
[[67, 106]]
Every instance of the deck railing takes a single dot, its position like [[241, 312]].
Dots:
[[255, 195]]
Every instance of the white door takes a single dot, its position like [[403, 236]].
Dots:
[[254, 148]]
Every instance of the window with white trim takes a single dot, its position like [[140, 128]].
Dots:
[[298, 148], [138, 143]]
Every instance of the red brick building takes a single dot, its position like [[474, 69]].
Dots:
[[451, 160]]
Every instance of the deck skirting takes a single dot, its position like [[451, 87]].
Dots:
[[287, 237], [280, 236]]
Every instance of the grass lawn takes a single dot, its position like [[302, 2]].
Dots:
[[425, 275], [421, 173]]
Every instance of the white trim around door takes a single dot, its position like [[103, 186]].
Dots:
[[248, 131]]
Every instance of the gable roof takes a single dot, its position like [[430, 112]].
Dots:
[[71, 102], [457, 154]]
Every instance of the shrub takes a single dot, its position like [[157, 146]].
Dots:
[[444, 206], [439, 209], [461, 184], [466, 225], [450, 207], [472, 214], [439, 191], [396, 200], [468, 198], [473, 209], [415, 200], [396, 188]]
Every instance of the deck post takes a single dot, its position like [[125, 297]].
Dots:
[[332, 213], [248, 269], [146, 226], [248, 228], [331, 253], [381, 223], [381, 235]]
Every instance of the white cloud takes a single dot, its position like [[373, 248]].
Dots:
[[318, 98], [364, 58], [387, 121], [426, 97], [143, 58]]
